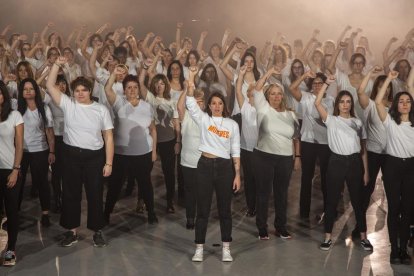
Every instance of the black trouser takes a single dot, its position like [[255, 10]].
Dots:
[[82, 165], [39, 167], [376, 162], [167, 154], [190, 188], [246, 159], [272, 171], [180, 178], [399, 188], [140, 166], [57, 170], [309, 153], [214, 174], [11, 202], [343, 168]]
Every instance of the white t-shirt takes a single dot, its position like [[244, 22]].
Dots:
[[245, 87], [398, 86], [345, 134], [276, 129], [190, 139], [221, 77], [84, 123], [249, 130], [376, 134], [7, 135], [34, 129], [165, 111], [218, 136], [58, 120], [313, 129], [400, 138], [292, 103], [131, 132]]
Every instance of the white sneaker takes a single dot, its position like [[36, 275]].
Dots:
[[226, 255], [198, 255]]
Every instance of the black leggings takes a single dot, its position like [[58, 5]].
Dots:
[[57, 170], [168, 157]]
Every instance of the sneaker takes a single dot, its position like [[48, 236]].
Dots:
[[190, 224], [226, 257], [405, 258], [140, 207], [326, 245], [366, 244], [70, 239], [45, 221], [152, 218], [98, 239], [198, 255], [283, 234], [250, 213], [9, 258], [263, 235]]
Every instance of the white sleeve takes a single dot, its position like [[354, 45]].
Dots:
[[49, 117], [102, 75], [259, 100], [106, 119], [235, 141], [118, 103], [194, 110], [65, 102]]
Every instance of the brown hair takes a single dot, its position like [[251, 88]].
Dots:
[[155, 79]]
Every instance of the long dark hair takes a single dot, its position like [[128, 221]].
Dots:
[[195, 54], [375, 88], [203, 74], [393, 111], [221, 97], [169, 75], [292, 76], [22, 104], [6, 108], [167, 91], [255, 71], [338, 98]]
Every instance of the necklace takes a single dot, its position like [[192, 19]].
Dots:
[[221, 123]]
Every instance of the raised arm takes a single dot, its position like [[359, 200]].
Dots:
[[200, 43], [178, 36], [264, 53], [44, 32], [410, 82], [294, 87], [109, 92], [84, 46], [223, 66], [239, 84], [342, 35], [385, 53], [362, 96], [318, 102], [94, 56], [382, 112], [341, 46], [262, 81], [52, 90], [143, 89]]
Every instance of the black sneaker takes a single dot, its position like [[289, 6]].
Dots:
[[98, 239], [405, 258], [45, 221], [9, 258], [366, 244], [190, 224], [152, 218], [263, 235], [283, 234], [70, 239], [326, 245]]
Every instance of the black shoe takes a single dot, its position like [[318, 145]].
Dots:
[[366, 244], [69, 240], [152, 218], [170, 208], [250, 213], [263, 235], [98, 239], [404, 257], [9, 258], [326, 245], [395, 257], [190, 224], [283, 234], [45, 220]]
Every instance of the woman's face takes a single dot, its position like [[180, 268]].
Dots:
[[215, 52], [404, 104], [167, 57], [345, 105], [1, 98], [183, 58], [358, 65], [216, 106], [403, 70], [297, 69], [53, 55], [175, 70], [317, 58], [317, 85], [111, 65], [131, 90], [26, 49], [121, 77], [95, 41], [192, 60], [278, 55], [28, 91], [160, 87], [275, 96], [126, 46], [328, 48], [82, 94], [200, 102], [210, 74], [249, 62], [68, 55], [23, 73], [62, 86]]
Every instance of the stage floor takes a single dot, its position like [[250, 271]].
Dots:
[[136, 248]]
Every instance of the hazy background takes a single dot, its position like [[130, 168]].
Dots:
[[254, 20]]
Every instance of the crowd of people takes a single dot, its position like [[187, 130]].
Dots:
[[106, 105]]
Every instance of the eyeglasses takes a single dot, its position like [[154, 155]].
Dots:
[[26, 49], [317, 83], [359, 63]]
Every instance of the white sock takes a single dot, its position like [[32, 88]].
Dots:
[[226, 245]]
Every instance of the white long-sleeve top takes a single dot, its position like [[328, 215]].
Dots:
[[218, 135]]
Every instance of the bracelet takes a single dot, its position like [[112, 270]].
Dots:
[[51, 152], [57, 65], [178, 142], [109, 165], [16, 168], [298, 156], [327, 83]]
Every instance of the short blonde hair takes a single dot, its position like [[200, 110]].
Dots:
[[267, 90]]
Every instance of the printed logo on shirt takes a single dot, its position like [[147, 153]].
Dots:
[[220, 133]]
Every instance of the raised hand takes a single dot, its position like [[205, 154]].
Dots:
[[193, 72], [348, 27], [394, 39], [119, 70], [150, 35], [310, 74], [98, 45], [61, 60], [179, 25], [227, 32], [204, 34], [343, 45], [392, 75], [242, 70], [50, 24], [23, 37], [330, 79], [377, 69]]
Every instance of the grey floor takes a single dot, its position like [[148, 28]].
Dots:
[[136, 248]]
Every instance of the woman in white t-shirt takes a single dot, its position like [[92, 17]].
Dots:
[[135, 139], [219, 142], [399, 164], [39, 142], [209, 82], [11, 153], [376, 134], [88, 150], [274, 153], [347, 161]]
